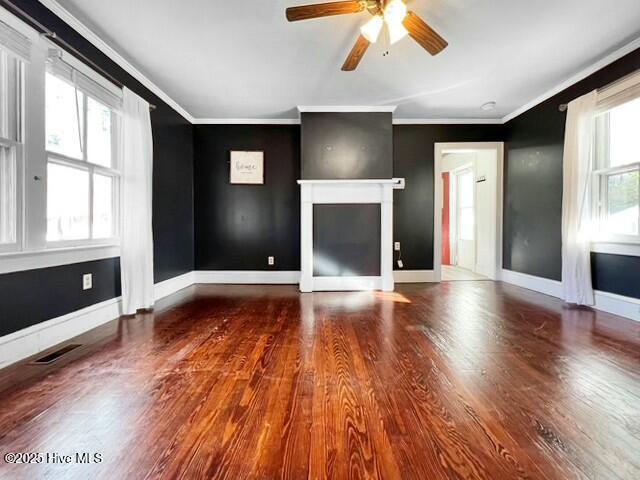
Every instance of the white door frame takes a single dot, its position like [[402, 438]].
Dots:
[[440, 149]]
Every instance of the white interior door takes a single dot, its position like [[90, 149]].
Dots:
[[465, 219]]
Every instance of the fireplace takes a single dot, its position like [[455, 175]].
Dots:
[[347, 234]]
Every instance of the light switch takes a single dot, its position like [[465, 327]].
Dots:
[[87, 281]]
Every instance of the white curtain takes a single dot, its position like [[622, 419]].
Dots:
[[579, 147], [136, 253]]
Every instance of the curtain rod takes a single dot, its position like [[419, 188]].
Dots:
[[564, 106], [51, 35]]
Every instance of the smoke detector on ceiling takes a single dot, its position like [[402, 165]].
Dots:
[[487, 107]]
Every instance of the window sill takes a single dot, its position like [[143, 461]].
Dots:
[[615, 248], [54, 257]]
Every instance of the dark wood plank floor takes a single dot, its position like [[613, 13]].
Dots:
[[458, 380]]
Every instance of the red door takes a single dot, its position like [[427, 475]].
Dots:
[[446, 247]]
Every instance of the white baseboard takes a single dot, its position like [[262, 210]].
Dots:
[[172, 285], [247, 277], [618, 305], [549, 287], [37, 338], [607, 302], [414, 276]]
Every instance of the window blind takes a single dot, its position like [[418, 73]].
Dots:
[[14, 43], [617, 93], [108, 96]]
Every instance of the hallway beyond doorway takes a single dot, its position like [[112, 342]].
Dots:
[[452, 273]]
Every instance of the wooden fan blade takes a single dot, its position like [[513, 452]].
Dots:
[[306, 12], [424, 34], [356, 54]]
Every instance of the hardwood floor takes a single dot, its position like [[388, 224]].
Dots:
[[456, 380]]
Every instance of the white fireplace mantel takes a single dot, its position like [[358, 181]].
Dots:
[[378, 191]]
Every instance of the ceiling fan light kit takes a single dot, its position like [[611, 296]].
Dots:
[[399, 21], [371, 29], [394, 12], [396, 32]]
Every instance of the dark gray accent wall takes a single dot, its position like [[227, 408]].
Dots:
[[533, 189], [618, 274], [33, 296], [413, 159], [172, 210], [533, 194], [173, 177], [346, 145], [346, 240], [239, 226]]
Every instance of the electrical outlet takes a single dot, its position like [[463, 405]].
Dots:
[[87, 281], [400, 264], [271, 260], [396, 246]]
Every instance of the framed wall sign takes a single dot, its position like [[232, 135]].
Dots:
[[246, 168]]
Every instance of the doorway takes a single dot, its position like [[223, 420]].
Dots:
[[468, 211]]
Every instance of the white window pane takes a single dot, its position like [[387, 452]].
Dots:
[[64, 113], [8, 196], [625, 134], [67, 203], [466, 223], [11, 83], [465, 189], [623, 197], [102, 206], [98, 133]]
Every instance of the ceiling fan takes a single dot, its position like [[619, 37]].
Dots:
[[399, 21]]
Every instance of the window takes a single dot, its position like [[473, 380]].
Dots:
[[11, 148], [82, 162], [466, 192], [617, 174], [59, 153]]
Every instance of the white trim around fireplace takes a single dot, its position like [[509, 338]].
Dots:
[[379, 191]]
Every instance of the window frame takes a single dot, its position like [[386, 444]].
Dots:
[[603, 241], [18, 152], [84, 164], [16, 147], [32, 250]]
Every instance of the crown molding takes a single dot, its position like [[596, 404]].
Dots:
[[447, 121], [110, 52], [590, 70], [345, 108], [396, 121], [246, 121]]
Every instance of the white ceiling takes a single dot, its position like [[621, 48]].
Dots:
[[242, 59]]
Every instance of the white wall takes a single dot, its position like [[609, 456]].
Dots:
[[452, 161]]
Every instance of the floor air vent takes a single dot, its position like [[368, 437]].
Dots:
[[53, 356]]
